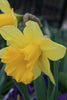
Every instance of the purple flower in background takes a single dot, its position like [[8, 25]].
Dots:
[[30, 89], [46, 80], [15, 92], [62, 96], [8, 94], [59, 85], [22, 99], [34, 99]]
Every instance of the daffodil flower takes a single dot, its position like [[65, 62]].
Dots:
[[28, 54], [9, 17]]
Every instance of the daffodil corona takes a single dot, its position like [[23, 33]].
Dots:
[[9, 17], [28, 54], [6, 19]]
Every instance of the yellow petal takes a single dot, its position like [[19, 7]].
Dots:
[[6, 19], [53, 50], [37, 71], [2, 52], [4, 6], [13, 36], [14, 17], [45, 67], [32, 32]]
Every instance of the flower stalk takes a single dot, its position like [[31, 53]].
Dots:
[[23, 90]]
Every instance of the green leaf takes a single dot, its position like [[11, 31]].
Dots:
[[54, 95], [5, 81], [1, 97], [42, 29], [48, 30], [66, 97], [65, 64], [63, 79], [2, 78], [40, 88], [8, 84], [23, 90], [50, 84]]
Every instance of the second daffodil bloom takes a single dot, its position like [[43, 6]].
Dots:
[[28, 54], [9, 17]]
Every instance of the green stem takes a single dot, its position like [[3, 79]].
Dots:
[[40, 88], [56, 71], [53, 90], [19, 17], [42, 29], [54, 94], [23, 90], [50, 84], [66, 97]]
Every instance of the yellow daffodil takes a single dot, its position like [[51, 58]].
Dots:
[[28, 54], [9, 17]]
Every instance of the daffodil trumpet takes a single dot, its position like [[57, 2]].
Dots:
[[6, 19], [9, 17], [28, 54]]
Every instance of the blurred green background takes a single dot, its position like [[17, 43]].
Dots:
[[53, 15]]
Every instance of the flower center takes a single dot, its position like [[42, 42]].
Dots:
[[32, 53]]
